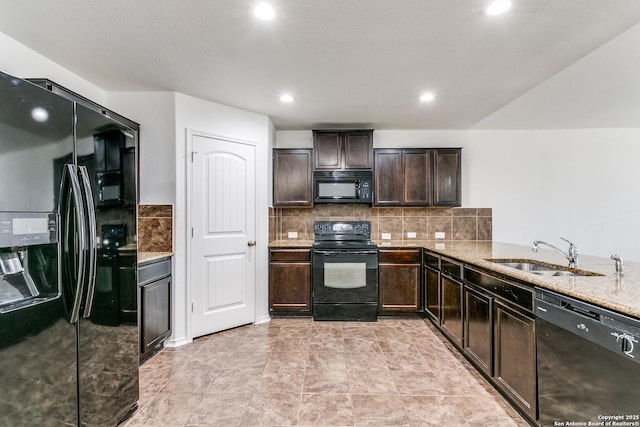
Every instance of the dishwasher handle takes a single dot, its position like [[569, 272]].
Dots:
[[584, 312]]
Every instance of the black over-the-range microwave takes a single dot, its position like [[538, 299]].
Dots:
[[342, 186]]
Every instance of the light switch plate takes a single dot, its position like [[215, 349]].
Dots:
[[385, 236], [439, 234], [411, 235], [292, 234]]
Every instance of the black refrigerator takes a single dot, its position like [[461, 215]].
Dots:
[[68, 298]]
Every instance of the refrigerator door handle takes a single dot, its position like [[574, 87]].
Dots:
[[70, 186], [93, 241]]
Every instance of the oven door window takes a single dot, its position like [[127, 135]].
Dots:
[[347, 275]]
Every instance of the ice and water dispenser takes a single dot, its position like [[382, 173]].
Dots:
[[28, 258]]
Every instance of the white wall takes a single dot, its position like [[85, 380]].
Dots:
[[219, 120], [155, 112], [578, 184], [20, 61], [600, 90], [578, 178]]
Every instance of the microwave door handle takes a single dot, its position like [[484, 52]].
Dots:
[[92, 239], [74, 245]]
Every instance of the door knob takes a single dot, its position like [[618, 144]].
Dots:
[[251, 243]]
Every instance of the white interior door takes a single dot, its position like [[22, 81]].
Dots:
[[223, 218]]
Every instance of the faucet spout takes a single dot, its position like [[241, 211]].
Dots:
[[571, 255], [619, 265]]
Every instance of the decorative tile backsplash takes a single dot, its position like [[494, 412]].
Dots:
[[155, 228], [455, 223]]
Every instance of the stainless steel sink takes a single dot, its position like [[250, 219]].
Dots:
[[542, 268]]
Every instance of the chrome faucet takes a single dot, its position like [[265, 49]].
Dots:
[[571, 255], [619, 265]]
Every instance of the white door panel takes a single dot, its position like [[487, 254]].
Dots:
[[223, 221]]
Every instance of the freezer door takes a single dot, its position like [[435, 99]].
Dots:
[[37, 343], [36, 129]]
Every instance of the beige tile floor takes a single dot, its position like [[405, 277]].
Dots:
[[297, 372]]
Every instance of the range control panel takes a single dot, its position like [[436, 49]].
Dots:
[[336, 229]]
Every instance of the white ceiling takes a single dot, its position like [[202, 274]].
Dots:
[[349, 63]]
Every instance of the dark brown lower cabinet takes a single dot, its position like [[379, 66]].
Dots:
[[154, 280], [432, 293], [478, 328], [500, 335], [399, 281], [290, 281], [451, 321], [515, 356]]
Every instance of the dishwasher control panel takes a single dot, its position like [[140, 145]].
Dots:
[[613, 331]]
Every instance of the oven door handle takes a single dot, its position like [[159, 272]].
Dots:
[[345, 252]]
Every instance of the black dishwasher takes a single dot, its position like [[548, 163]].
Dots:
[[588, 363]]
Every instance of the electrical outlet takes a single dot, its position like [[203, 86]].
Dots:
[[385, 236], [440, 246], [411, 235], [292, 234], [440, 235]]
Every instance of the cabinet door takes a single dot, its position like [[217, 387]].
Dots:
[[452, 309], [399, 287], [292, 177], [290, 281], [416, 170], [388, 178], [515, 356], [478, 328], [432, 293], [156, 319], [327, 149], [447, 177], [358, 150]]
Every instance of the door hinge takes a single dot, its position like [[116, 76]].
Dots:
[[191, 231], [192, 307], [192, 154]]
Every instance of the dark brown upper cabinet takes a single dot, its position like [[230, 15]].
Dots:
[[447, 171], [388, 178], [417, 177], [343, 150], [292, 177]]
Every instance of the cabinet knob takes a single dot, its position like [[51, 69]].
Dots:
[[251, 243]]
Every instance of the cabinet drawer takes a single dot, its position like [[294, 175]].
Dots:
[[508, 291], [291, 255], [154, 271], [431, 260], [399, 255], [451, 267]]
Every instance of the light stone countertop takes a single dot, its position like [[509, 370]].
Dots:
[[293, 243], [147, 257], [618, 294]]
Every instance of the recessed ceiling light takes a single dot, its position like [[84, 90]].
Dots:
[[264, 11], [498, 7], [427, 97], [286, 98]]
